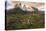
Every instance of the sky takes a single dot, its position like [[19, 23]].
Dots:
[[10, 5]]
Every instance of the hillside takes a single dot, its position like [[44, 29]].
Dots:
[[19, 19]]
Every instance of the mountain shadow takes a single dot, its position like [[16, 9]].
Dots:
[[16, 11]]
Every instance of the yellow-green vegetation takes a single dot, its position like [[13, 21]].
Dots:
[[16, 20]]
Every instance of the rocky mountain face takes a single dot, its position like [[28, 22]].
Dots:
[[23, 6], [23, 9]]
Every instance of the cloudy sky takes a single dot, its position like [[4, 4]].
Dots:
[[38, 5]]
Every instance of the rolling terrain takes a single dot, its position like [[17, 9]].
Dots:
[[18, 18]]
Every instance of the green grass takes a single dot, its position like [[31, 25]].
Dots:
[[23, 21]]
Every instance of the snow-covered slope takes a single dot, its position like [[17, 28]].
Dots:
[[25, 5]]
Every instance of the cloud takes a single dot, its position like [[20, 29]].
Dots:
[[34, 4]]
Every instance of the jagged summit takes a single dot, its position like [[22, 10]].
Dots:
[[26, 5]]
